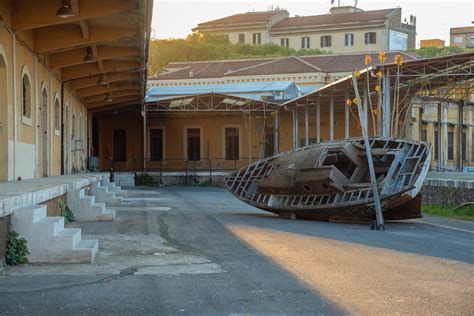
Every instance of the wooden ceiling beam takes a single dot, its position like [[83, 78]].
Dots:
[[97, 90], [85, 30], [91, 69], [114, 95], [56, 38], [33, 14], [117, 101], [114, 77], [76, 56]]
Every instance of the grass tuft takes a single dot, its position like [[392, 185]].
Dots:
[[465, 213]]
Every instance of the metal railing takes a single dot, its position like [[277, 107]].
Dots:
[[193, 167]]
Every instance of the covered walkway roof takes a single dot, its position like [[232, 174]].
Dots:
[[210, 102], [97, 38], [271, 91], [445, 76]]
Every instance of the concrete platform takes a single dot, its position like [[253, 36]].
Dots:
[[17, 194]]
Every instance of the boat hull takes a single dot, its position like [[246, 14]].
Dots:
[[330, 182]]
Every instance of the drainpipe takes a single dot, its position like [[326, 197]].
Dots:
[[15, 104]]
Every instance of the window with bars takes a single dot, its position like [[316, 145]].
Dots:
[[269, 142], [156, 144], [424, 135], [194, 143], [56, 115], [349, 39], [120, 145], [370, 38], [26, 97], [450, 145], [242, 38], [232, 143], [305, 42], [463, 153], [326, 41], [285, 42]]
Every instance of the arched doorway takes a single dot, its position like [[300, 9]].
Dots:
[[44, 133], [3, 121]]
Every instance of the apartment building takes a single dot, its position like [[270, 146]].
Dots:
[[462, 36], [343, 30]]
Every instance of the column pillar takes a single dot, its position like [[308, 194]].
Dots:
[[439, 140], [469, 144], [276, 140], [331, 118], [460, 131], [445, 135], [295, 128], [306, 125], [346, 117]]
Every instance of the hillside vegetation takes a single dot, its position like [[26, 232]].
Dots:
[[198, 46]]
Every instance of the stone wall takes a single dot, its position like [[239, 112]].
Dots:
[[448, 192]]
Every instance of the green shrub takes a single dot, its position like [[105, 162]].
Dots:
[[146, 179], [17, 251], [66, 212]]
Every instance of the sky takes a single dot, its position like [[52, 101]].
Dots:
[[175, 19]]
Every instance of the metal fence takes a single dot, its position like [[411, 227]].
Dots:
[[185, 166]]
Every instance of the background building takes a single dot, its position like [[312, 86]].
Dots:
[[305, 71], [435, 42], [462, 36], [344, 29]]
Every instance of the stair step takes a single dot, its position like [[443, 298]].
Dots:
[[68, 237], [108, 215], [51, 226], [86, 250]]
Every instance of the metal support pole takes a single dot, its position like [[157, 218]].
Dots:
[[439, 138], [331, 118], [445, 135], [380, 224], [461, 127], [346, 117], [365, 102], [276, 139], [111, 165], [420, 122], [386, 107], [144, 138], [306, 125], [470, 145], [318, 121], [295, 128]]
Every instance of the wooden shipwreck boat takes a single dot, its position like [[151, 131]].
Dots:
[[330, 181]]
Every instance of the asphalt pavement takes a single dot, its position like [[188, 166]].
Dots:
[[200, 251]]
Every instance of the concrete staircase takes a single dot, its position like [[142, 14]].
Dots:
[[103, 194], [85, 207], [48, 240]]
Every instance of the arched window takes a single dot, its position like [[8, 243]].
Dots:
[[56, 115], [26, 97]]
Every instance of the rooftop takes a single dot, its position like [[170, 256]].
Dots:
[[335, 63], [338, 19], [244, 18]]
